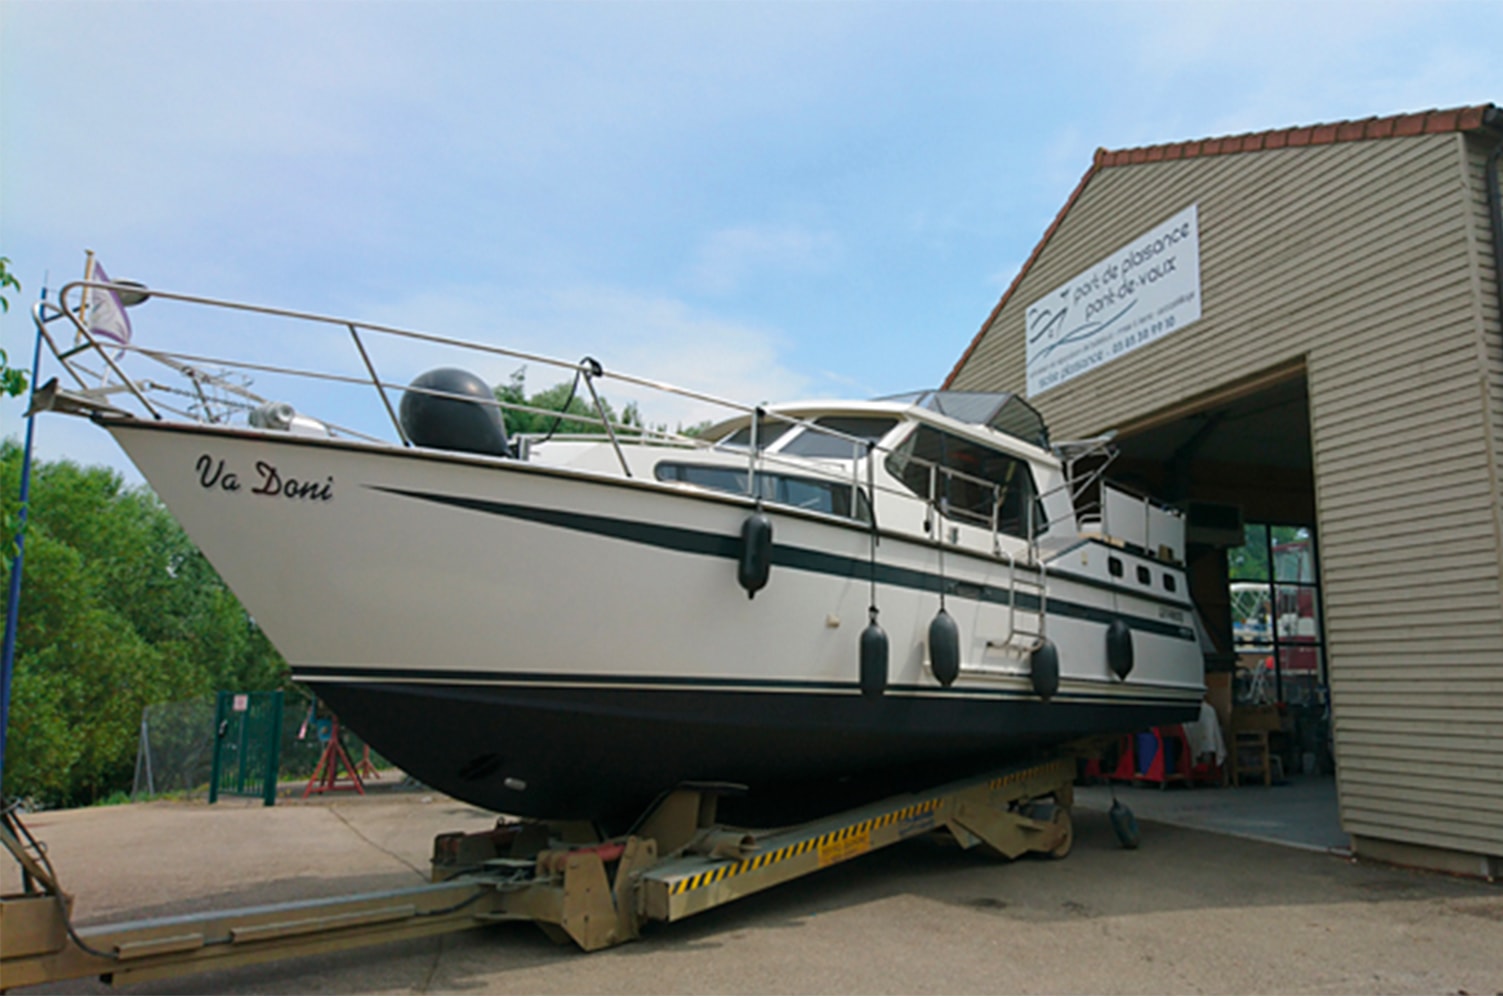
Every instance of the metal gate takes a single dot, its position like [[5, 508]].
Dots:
[[247, 745]]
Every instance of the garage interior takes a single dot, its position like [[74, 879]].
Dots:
[[1238, 461]]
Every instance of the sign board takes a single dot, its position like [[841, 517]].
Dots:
[[1131, 297]]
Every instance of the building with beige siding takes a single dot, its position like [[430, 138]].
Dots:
[[1299, 330]]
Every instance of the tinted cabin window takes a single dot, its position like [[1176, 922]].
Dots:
[[988, 478], [768, 431], [794, 491], [811, 442]]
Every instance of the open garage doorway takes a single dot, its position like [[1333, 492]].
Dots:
[[1238, 461]]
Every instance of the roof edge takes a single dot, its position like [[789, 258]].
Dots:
[[1431, 122]]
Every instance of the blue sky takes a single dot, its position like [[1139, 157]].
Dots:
[[766, 200]]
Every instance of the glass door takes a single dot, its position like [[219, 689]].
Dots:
[[1276, 618]]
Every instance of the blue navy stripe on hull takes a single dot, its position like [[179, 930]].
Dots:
[[696, 542]]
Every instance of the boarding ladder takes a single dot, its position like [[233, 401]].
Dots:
[[1020, 641]]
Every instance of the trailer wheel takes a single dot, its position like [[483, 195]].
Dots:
[[1045, 811], [1067, 828]]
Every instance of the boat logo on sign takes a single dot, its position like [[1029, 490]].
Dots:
[[267, 481]]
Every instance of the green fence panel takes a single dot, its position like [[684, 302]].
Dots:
[[247, 745]]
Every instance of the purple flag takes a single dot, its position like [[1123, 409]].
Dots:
[[106, 315]]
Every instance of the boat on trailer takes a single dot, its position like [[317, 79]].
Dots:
[[821, 594]]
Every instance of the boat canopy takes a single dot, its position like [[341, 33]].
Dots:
[[1003, 412]]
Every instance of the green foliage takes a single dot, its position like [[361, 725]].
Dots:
[[12, 383], [563, 398], [1250, 560], [557, 399], [119, 610], [7, 280], [12, 380]]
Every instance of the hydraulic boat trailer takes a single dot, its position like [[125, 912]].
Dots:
[[677, 862]]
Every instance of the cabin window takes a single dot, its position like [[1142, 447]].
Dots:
[[1169, 584], [972, 479], [1145, 576], [819, 495], [815, 443], [768, 431], [1114, 566]]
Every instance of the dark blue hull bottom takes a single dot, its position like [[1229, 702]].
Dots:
[[606, 754]]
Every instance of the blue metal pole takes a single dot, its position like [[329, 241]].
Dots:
[[13, 602]]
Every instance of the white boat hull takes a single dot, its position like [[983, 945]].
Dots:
[[555, 643]]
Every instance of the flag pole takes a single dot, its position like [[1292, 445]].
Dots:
[[13, 600], [83, 293]]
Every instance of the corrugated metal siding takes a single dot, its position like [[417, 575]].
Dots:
[[1490, 296], [1372, 261]]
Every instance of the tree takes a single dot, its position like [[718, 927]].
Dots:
[[565, 397], [562, 399], [12, 380], [1250, 560], [119, 610], [12, 383]]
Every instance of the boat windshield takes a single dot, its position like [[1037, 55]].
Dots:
[[845, 442], [973, 482], [768, 431]]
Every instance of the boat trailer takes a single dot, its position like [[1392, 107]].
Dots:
[[677, 862]]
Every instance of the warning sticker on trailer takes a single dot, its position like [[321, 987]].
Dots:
[[844, 847]]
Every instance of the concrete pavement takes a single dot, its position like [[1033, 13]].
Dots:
[[1191, 911], [1300, 811]]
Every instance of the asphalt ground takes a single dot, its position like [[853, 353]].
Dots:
[[1190, 911]]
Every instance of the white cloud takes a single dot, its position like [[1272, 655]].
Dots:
[[428, 160], [1002, 278], [652, 337], [851, 387], [649, 336], [142, 113], [728, 258], [1315, 62]]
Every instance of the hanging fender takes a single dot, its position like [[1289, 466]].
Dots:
[[755, 564], [1043, 668], [944, 648], [1119, 648], [873, 658]]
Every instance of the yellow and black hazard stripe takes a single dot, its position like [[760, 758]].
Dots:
[[1017, 777], [835, 845]]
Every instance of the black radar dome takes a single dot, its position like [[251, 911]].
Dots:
[[471, 424]]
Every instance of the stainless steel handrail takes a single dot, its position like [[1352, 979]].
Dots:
[[758, 458]]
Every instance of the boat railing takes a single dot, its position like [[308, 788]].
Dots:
[[212, 388], [196, 367], [1082, 485]]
